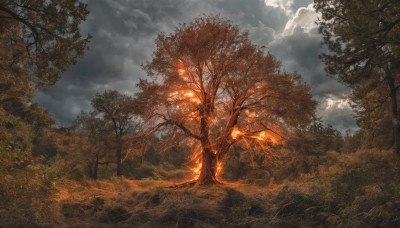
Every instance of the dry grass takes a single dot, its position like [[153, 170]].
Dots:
[[147, 203], [70, 190], [347, 190]]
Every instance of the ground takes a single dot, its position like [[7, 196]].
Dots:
[[360, 189], [149, 203]]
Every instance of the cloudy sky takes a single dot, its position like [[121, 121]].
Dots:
[[123, 38]]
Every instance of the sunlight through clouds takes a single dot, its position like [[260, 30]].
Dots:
[[337, 111], [304, 19], [337, 103], [284, 4]]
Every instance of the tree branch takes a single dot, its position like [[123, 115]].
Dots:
[[23, 21], [184, 129]]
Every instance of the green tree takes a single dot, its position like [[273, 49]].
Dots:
[[209, 82], [95, 133], [42, 36], [15, 144], [375, 118], [15, 87], [351, 141], [364, 45], [38, 39], [316, 139], [115, 111]]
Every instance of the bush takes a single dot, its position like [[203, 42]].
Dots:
[[25, 196], [144, 171], [114, 214]]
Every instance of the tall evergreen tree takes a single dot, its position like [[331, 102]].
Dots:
[[364, 43]]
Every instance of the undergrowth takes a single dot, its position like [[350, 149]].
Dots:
[[361, 189]]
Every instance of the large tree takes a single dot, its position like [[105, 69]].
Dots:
[[38, 40], [208, 81], [364, 43], [42, 35]]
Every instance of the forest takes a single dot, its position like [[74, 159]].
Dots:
[[218, 134]]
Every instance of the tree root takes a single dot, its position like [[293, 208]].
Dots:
[[194, 183], [183, 185]]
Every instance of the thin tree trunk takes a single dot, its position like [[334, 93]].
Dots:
[[119, 158], [118, 138], [90, 169], [394, 114], [96, 168], [93, 168]]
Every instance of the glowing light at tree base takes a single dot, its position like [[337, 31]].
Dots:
[[196, 167]]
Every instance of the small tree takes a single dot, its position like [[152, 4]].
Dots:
[[351, 141], [95, 133], [111, 107], [208, 81], [316, 139]]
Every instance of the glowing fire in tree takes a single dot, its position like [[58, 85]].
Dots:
[[196, 169], [235, 133], [210, 83]]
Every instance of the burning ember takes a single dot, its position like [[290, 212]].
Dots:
[[263, 136], [189, 94], [196, 157], [266, 136], [181, 72], [236, 133], [192, 96], [219, 169], [196, 169]]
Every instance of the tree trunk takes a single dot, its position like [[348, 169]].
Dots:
[[209, 160], [209, 165], [119, 158], [395, 115], [95, 168], [90, 169]]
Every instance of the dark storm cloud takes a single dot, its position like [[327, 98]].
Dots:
[[123, 38], [260, 21], [341, 119], [123, 34], [254, 13], [298, 49], [336, 111], [299, 53]]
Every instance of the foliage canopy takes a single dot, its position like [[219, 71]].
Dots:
[[42, 36], [364, 45], [208, 81]]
